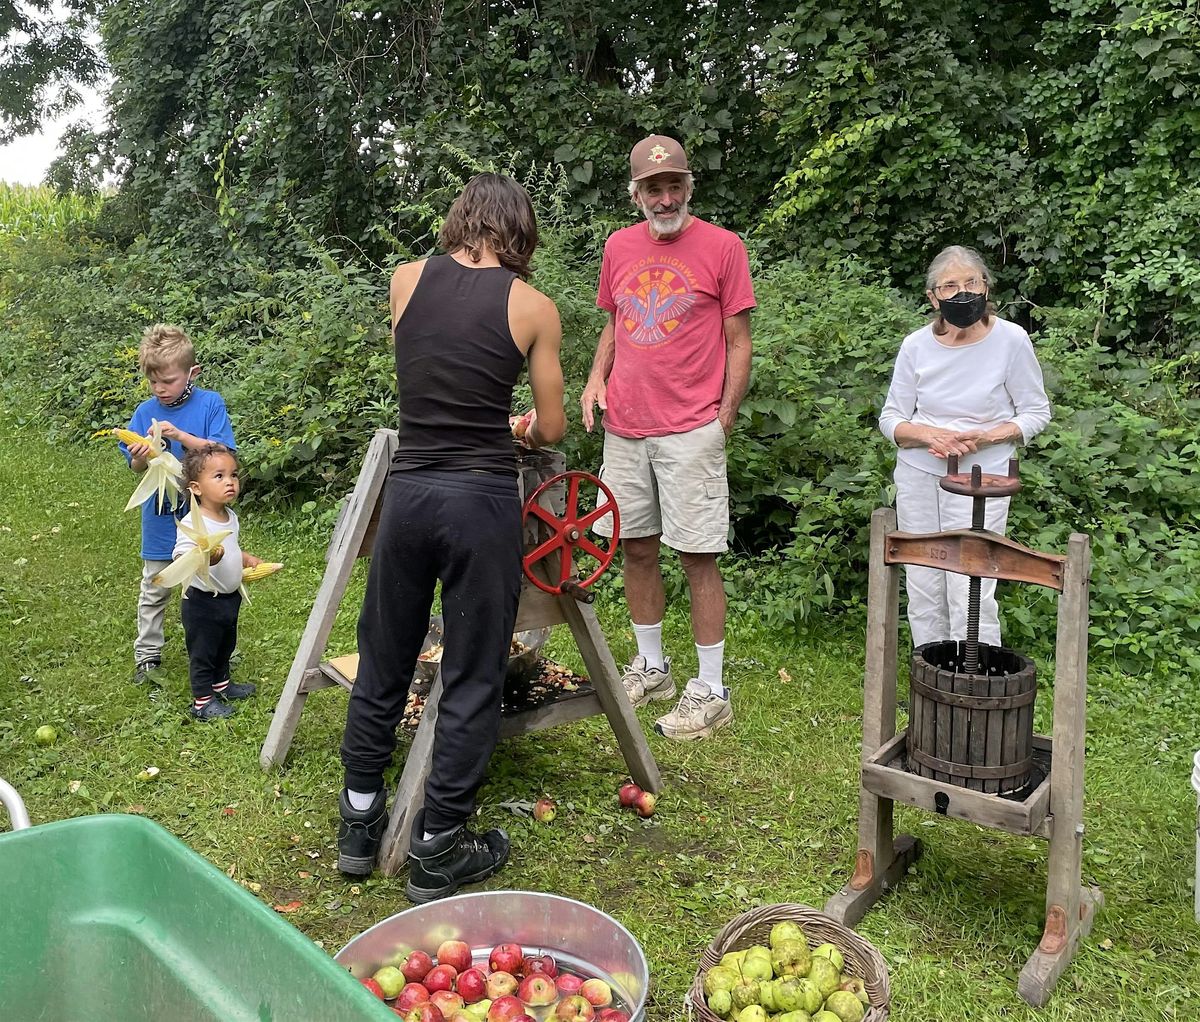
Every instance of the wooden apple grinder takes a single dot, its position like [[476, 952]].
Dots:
[[562, 559]]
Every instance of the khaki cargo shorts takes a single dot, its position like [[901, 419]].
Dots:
[[674, 486]]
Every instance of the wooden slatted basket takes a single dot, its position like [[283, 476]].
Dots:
[[754, 927]]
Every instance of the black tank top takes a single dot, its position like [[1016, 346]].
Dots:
[[456, 366]]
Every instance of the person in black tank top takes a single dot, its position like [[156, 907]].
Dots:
[[464, 325]]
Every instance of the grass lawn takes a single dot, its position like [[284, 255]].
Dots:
[[765, 812]]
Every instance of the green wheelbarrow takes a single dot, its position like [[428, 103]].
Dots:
[[110, 917]]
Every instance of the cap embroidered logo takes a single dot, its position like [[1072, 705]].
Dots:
[[658, 154]]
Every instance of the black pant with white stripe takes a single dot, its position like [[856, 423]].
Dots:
[[210, 630]]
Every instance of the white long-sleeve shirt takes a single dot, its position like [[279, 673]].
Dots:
[[974, 386], [227, 572]]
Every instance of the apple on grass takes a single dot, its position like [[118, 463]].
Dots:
[[537, 990], [440, 977], [628, 794], [501, 984], [506, 958], [455, 953], [644, 804]]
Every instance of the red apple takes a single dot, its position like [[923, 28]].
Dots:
[[543, 810], [416, 966], [412, 995], [505, 1009], [629, 794], [568, 983], [440, 977], [471, 985], [455, 953], [501, 984], [424, 1012], [545, 964], [537, 990], [446, 1001], [644, 804], [612, 1015], [506, 958], [574, 1009], [524, 1018], [373, 985], [598, 993]]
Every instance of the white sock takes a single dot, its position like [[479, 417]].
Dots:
[[361, 801], [426, 836], [649, 640], [712, 663]]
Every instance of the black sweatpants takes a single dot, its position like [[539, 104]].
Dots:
[[210, 630], [463, 528]]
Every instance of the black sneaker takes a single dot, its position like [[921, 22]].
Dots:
[[360, 834], [214, 709], [143, 670], [235, 691], [439, 866]]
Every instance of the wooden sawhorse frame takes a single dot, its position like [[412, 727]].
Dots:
[[1053, 810], [353, 537]]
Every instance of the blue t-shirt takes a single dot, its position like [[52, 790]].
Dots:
[[202, 415]]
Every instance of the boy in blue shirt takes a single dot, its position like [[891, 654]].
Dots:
[[190, 418]]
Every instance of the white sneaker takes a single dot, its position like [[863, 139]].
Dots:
[[697, 716], [643, 684]]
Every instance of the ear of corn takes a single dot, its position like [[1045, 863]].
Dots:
[[259, 571], [195, 561], [164, 473]]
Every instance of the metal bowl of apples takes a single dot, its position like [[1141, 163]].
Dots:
[[503, 956]]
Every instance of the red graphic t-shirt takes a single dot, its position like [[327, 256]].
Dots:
[[670, 300]]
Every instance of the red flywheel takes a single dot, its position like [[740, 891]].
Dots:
[[581, 556]]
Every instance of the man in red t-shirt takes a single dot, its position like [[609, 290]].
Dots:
[[670, 371]]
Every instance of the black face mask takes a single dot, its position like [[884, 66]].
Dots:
[[964, 309]]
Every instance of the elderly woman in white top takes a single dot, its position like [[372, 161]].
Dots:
[[966, 383]]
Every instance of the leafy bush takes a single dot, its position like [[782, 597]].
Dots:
[[303, 357]]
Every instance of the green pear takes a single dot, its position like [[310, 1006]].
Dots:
[[822, 972], [857, 987], [825, 1016], [766, 996], [791, 958], [733, 960], [720, 977], [787, 930], [809, 994], [720, 1002], [831, 952], [787, 995], [795, 1016], [757, 965], [845, 1005], [755, 1013], [744, 995]]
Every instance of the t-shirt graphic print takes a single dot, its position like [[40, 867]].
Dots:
[[670, 300]]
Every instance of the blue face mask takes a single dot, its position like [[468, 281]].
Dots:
[[185, 393]]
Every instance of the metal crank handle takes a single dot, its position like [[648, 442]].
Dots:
[[572, 588]]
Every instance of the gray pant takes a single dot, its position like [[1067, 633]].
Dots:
[[152, 607]]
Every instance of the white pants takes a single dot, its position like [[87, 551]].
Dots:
[[937, 600]]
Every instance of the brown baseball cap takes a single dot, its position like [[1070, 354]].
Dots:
[[657, 154]]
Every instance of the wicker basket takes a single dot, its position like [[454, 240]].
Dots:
[[754, 927]]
